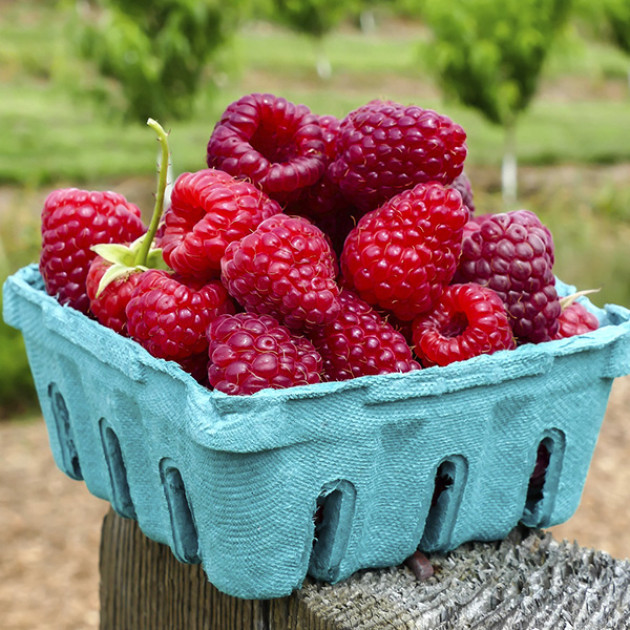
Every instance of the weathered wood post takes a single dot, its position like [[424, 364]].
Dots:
[[528, 581]]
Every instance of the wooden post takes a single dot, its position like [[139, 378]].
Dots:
[[528, 581]]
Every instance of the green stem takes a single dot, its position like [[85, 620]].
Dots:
[[143, 252]]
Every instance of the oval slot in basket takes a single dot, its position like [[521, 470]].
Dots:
[[69, 455], [333, 523], [121, 497], [185, 538], [448, 489]]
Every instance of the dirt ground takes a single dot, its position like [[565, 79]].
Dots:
[[50, 524]]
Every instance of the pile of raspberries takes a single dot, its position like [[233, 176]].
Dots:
[[313, 249]]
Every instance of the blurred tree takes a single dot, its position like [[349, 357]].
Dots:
[[155, 51], [489, 55], [314, 18], [618, 18]]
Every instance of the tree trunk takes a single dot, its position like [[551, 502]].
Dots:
[[528, 581], [322, 62]]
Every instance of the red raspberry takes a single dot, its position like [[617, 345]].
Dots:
[[109, 307], [384, 147], [250, 352], [210, 209], [284, 268], [512, 253], [360, 342], [575, 319], [468, 320], [168, 315], [72, 221], [401, 256], [271, 142]]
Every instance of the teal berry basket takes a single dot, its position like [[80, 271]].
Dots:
[[234, 482]]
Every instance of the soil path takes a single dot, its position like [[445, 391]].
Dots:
[[50, 525]]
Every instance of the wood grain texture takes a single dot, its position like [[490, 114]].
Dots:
[[528, 581]]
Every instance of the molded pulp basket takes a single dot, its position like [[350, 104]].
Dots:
[[233, 481]]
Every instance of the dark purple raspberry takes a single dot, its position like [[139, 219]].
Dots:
[[468, 320], [513, 254], [284, 268], [209, 209], [400, 256], [250, 352], [360, 342], [463, 185], [384, 147], [275, 144]]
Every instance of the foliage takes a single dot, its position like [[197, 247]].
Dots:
[[490, 55], [155, 51], [315, 18], [618, 18]]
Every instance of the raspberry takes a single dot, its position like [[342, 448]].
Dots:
[[462, 184], [250, 352], [360, 342], [512, 253], [271, 142], [468, 320], [323, 202], [210, 209], [109, 307], [400, 256], [72, 221], [168, 315], [384, 147], [284, 268], [575, 320]]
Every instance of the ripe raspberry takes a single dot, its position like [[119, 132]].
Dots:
[[168, 315], [384, 147], [72, 221], [250, 352], [512, 253], [463, 185], [210, 209], [360, 342], [468, 320], [284, 268], [271, 142], [575, 319], [109, 307], [401, 256]]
